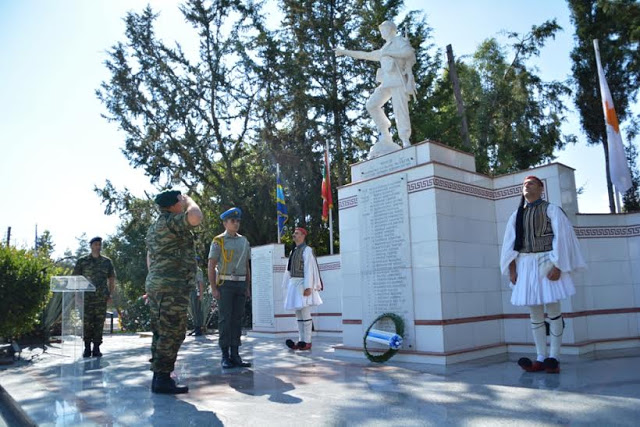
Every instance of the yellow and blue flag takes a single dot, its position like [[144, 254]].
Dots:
[[281, 206]]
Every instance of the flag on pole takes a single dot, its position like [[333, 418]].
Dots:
[[281, 205], [618, 167], [327, 198]]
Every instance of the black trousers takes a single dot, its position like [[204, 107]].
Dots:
[[233, 296]]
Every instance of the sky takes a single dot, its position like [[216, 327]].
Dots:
[[56, 147]]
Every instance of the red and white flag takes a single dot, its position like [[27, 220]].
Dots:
[[618, 166], [327, 198]]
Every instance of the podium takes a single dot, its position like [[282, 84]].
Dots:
[[73, 289]]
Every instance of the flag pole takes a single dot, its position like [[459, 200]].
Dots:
[[618, 202], [330, 209], [618, 168], [277, 213], [330, 232]]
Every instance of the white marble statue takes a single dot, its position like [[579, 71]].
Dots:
[[396, 58]]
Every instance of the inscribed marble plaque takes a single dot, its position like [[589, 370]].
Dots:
[[262, 287], [385, 251], [399, 160]]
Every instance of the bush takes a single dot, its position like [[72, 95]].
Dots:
[[24, 288], [134, 316]]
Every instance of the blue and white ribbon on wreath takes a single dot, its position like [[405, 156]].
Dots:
[[393, 340]]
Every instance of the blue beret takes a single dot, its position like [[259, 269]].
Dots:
[[95, 239], [167, 198], [231, 213]]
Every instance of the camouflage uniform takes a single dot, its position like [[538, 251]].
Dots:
[[97, 271], [196, 301], [172, 267]]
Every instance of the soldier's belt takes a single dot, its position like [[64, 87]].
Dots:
[[233, 278]]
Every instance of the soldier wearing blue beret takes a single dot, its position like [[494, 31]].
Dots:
[[229, 276]]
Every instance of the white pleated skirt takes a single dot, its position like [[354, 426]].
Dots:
[[294, 300], [532, 286]]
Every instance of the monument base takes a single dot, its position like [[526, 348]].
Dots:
[[458, 356], [382, 147]]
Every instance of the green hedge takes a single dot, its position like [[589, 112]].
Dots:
[[24, 287]]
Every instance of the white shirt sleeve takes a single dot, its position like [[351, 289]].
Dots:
[[508, 254], [566, 253]]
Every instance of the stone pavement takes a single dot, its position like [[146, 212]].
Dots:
[[316, 388]]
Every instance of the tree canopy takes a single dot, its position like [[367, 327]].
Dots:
[[616, 26]]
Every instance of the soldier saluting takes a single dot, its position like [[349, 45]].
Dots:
[[172, 266], [228, 273]]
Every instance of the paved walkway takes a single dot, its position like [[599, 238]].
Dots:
[[285, 388]]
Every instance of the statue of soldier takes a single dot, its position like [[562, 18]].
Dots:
[[172, 266], [98, 270], [397, 83], [229, 275]]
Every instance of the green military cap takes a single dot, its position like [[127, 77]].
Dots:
[[167, 198], [235, 213]]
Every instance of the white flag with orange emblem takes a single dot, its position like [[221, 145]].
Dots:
[[618, 166]]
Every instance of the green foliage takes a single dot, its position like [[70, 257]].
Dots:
[[45, 245], [616, 26], [24, 287], [217, 123], [398, 323], [631, 199], [514, 116], [127, 248], [189, 121], [134, 316]]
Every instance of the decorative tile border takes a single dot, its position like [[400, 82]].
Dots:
[[330, 266], [323, 267], [468, 189], [607, 232], [348, 202], [475, 319], [505, 344], [433, 182], [449, 184]]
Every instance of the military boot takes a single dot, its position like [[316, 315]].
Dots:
[[96, 350], [166, 385], [236, 360], [226, 361], [87, 349]]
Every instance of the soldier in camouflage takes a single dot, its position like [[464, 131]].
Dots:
[[99, 271], [195, 307], [171, 263], [229, 274]]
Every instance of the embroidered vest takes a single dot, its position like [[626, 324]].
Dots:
[[538, 234], [296, 261]]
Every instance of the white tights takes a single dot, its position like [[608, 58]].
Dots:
[[556, 327], [305, 324]]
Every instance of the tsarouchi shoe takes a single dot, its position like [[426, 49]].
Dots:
[[304, 345], [551, 365], [291, 344], [529, 366]]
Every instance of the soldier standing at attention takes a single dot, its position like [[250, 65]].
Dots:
[[99, 271], [301, 283], [172, 266], [196, 302], [228, 273]]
